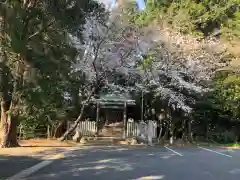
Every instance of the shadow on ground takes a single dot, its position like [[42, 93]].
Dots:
[[105, 163], [54, 146], [130, 163], [11, 165]]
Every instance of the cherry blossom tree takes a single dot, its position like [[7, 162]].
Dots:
[[180, 68], [181, 62], [177, 66], [109, 50]]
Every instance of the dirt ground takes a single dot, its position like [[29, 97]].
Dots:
[[36, 147]]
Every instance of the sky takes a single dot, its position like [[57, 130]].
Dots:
[[106, 2], [111, 3]]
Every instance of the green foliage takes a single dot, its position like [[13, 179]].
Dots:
[[194, 17], [218, 112], [227, 94], [40, 55]]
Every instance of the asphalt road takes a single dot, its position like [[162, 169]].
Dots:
[[131, 163], [10, 165]]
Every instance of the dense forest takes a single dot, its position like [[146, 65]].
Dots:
[[219, 110], [201, 18], [56, 56]]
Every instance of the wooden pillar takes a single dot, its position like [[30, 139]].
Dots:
[[142, 108], [125, 120], [97, 118], [190, 138], [107, 115], [48, 132]]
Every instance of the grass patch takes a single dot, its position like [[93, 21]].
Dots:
[[233, 145], [214, 144]]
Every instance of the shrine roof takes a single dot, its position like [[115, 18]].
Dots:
[[114, 98]]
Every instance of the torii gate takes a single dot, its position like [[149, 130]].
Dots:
[[140, 4]]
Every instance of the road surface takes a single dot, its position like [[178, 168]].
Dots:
[[133, 163]]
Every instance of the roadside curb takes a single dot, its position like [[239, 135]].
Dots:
[[72, 143], [46, 161], [223, 147]]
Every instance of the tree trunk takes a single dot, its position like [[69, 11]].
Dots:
[[171, 130], [190, 138], [207, 132], [4, 125], [160, 131], [8, 129], [183, 129], [9, 117], [74, 126], [12, 132], [58, 129], [165, 136], [10, 121], [8, 126]]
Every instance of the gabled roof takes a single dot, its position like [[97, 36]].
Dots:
[[115, 98]]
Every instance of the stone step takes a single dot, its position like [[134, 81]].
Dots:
[[107, 140], [100, 140]]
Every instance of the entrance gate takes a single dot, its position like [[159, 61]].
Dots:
[[111, 114]]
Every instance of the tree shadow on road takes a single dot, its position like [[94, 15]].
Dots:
[[54, 146], [12, 162], [102, 163], [11, 165]]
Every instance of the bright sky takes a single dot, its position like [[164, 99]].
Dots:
[[107, 2], [140, 3]]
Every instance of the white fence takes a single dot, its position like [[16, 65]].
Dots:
[[133, 129], [89, 128]]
